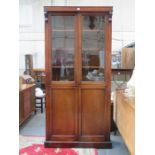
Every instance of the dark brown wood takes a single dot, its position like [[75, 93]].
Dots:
[[64, 111], [77, 144], [48, 75], [26, 102], [77, 9], [122, 69], [108, 38], [92, 110], [77, 112]]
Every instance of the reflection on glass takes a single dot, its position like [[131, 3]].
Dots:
[[62, 22], [93, 48], [63, 48]]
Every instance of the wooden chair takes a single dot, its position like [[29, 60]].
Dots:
[[40, 103]]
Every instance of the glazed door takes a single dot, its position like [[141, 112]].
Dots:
[[94, 80], [62, 101]]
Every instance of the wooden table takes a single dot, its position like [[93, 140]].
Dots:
[[26, 101], [125, 118]]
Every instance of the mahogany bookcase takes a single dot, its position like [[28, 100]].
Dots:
[[78, 76]]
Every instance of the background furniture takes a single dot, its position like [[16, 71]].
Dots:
[[77, 89], [26, 101], [39, 76], [26, 79], [40, 100], [124, 117], [39, 103], [113, 125], [121, 74], [128, 58], [29, 64]]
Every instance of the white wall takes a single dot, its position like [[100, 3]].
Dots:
[[31, 30], [31, 26]]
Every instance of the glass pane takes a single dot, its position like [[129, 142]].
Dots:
[[63, 52], [93, 48]]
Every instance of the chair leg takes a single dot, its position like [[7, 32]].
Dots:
[[35, 111], [42, 105], [45, 102]]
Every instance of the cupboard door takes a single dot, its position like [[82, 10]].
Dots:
[[92, 85], [63, 100]]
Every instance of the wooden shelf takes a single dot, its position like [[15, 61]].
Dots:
[[113, 69], [64, 30], [93, 67], [91, 49], [94, 30], [61, 66], [71, 49], [63, 49], [122, 69], [72, 30], [38, 70]]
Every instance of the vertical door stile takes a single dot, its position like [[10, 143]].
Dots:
[[107, 73], [79, 48], [76, 75], [79, 76], [48, 74], [63, 65]]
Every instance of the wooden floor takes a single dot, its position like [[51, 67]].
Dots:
[[35, 126]]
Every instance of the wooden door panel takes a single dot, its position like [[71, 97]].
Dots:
[[21, 108], [92, 112], [64, 103], [27, 103], [32, 91]]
